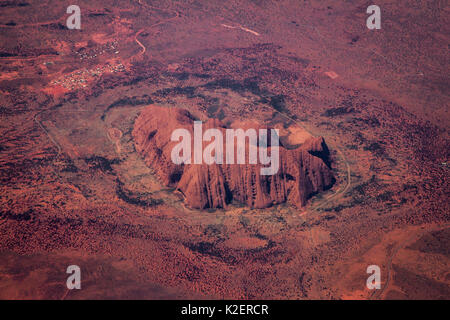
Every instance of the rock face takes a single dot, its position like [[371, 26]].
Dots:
[[302, 172]]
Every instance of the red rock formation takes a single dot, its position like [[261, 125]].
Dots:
[[302, 171]]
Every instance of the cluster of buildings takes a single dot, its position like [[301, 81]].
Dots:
[[80, 78], [109, 47]]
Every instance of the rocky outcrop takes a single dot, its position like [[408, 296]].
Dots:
[[303, 171]]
